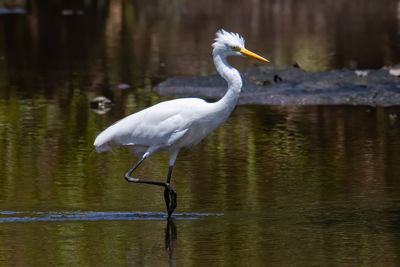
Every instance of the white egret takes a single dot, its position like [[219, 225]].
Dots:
[[175, 124]]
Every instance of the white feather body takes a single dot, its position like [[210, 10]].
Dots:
[[167, 125]]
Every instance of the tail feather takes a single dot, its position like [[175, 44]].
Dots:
[[105, 140]]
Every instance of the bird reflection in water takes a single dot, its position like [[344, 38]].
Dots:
[[170, 239]]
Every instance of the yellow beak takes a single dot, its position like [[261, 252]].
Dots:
[[253, 55]]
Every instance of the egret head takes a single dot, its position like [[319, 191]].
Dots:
[[232, 44]]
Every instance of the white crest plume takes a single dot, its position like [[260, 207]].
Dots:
[[227, 38]]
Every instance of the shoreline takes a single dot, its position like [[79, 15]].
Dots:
[[293, 86]]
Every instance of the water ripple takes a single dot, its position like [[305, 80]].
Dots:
[[20, 216]]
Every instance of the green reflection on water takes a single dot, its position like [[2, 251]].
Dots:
[[295, 184]]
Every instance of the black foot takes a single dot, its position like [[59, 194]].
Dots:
[[170, 198], [169, 192]]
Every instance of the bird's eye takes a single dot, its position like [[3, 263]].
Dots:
[[235, 48]]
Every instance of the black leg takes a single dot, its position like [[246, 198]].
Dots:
[[169, 192], [137, 180]]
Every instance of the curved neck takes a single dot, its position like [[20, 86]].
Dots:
[[232, 77]]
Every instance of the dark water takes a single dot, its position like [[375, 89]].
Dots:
[[273, 186]]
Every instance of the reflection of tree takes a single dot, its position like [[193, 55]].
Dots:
[[130, 41], [262, 160]]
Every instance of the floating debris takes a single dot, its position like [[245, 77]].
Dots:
[[6, 11], [361, 73], [261, 83], [123, 86], [101, 105], [296, 65], [277, 78], [71, 12], [392, 117], [394, 72]]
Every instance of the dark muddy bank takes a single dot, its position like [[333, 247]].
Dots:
[[294, 86]]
